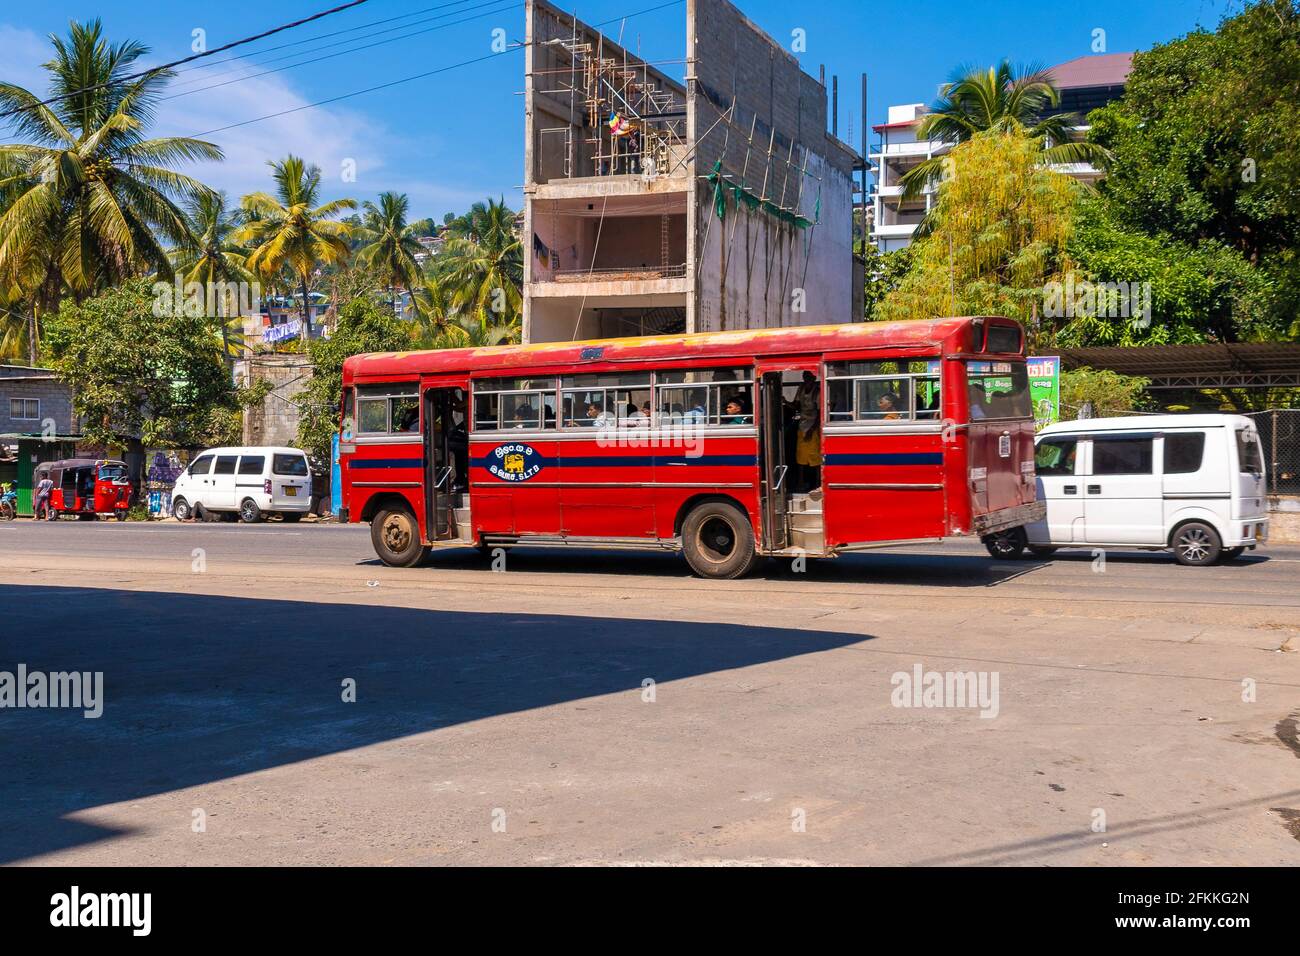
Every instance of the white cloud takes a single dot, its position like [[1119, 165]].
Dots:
[[326, 136]]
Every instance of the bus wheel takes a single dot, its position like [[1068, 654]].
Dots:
[[396, 538], [1197, 544], [718, 541], [1006, 545]]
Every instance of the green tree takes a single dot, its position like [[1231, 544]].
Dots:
[[884, 273], [139, 378], [362, 326], [293, 230], [82, 199], [1001, 226], [483, 263], [1206, 146], [1002, 99], [1110, 393], [210, 256], [388, 243]]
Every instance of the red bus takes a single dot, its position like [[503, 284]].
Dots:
[[726, 446]]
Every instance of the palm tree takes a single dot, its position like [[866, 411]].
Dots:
[[434, 310], [464, 331], [1005, 99], [389, 245], [482, 261], [290, 231], [210, 255], [81, 201]]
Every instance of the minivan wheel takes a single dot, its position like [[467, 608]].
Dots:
[[396, 538], [719, 541], [249, 512], [1006, 545], [181, 510], [1196, 544]]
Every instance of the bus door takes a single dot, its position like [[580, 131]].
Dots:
[[774, 467], [446, 461]]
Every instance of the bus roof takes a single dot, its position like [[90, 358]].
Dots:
[[927, 336]]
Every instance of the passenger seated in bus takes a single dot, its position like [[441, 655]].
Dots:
[[735, 414], [978, 401], [597, 415], [408, 418], [696, 414], [525, 417], [888, 405]]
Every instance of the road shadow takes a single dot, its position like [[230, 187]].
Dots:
[[956, 570], [199, 688]]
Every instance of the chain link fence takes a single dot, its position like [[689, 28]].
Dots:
[[1279, 434]]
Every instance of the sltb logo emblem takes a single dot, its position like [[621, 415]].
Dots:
[[515, 462]]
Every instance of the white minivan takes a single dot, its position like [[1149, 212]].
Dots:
[[1190, 483], [248, 482]]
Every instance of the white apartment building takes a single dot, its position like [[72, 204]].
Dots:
[[1085, 83]]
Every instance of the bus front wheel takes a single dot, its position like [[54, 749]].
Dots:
[[396, 538], [719, 541]]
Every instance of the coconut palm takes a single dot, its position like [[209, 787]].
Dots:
[[291, 231], [210, 255], [1005, 99], [482, 262], [85, 200], [433, 306], [464, 331], [388, 244]]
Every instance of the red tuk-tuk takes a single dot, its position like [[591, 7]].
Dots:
[[87, 487]]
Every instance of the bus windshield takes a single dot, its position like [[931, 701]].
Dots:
[[998, 390]]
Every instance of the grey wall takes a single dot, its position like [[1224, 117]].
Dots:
[[54, 396]]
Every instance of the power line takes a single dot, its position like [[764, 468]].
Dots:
[[197, 56], [313, 59]]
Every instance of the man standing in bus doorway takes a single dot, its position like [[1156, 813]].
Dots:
[[808, 442], [41, 500]]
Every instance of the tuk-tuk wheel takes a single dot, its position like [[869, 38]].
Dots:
[[121, 514]]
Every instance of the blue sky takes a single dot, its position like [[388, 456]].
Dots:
[[451, 138]]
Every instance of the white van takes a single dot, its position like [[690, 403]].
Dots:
[[248, 482], [1190, 483]]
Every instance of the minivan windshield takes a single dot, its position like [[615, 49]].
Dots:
[[998, 390]]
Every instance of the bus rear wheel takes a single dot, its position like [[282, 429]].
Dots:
[[396, 538], [1006, 545], [719, 541]]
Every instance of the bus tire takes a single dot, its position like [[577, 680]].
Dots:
[[395, 535], [249, 512], [1042, 550], [1006, 545], [718, 541], [1196, 544], [181, 510]]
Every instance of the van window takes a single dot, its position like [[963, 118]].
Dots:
[[1121, 455], [201, 465], [295, 466], [1249, 459], [1183, 452], [1055, 456], [225, 465], [251, 464]]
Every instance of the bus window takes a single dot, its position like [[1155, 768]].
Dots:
[[508, 403], [706, 396], [606, 400], [998, 390], [387, 409], [882, 392]]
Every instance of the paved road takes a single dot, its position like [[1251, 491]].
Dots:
[[505, 717]]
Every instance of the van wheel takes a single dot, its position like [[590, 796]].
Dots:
[[181, 510], [1231, 554], [249, 512], [1006, 545], [1196, 544], [719, 541], [1041, 550], [396, 538]]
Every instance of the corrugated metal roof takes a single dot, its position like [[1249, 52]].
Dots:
[[1247, 364]]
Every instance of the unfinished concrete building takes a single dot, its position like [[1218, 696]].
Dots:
[[654, 206]]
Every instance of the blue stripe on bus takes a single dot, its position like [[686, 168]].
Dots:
[[357, 464], [632, 461], [896, 458]]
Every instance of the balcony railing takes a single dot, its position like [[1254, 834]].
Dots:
[[615, 273]]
